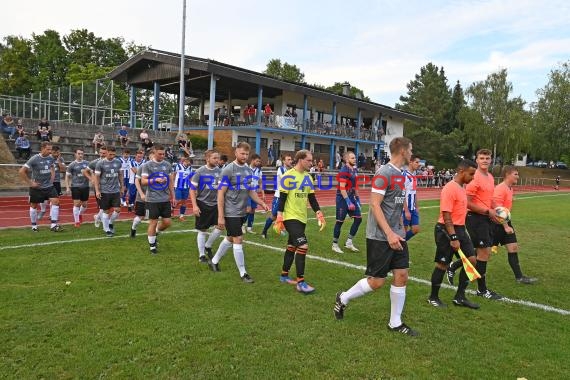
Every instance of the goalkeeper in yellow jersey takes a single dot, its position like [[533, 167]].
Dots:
[[296, 189]]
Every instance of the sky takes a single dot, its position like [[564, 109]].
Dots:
[[377, 46]]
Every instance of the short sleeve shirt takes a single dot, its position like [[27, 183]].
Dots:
[[454, 200], [238, 181], [481, 189], [40, 168], [157, 192], [503, 196], [75, 170], [205, 181], [109, 175]]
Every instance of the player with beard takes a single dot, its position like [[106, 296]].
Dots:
[[286, 164]]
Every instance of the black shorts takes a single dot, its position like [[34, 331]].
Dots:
[[381, 259], [80, 194], [159, 209], [443, 252], [140, 208], [57, 186], [500, 237], [296, 231], [40, 195], [233, 226], [109, 200], [208, 216], [480, 230]]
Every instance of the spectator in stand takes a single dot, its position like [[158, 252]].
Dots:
[[321, 166], [20, 131], [252, 112], [143, 135], [98, 141], [338, 160], [23, 147], [270, 155], [287, 112], [7, 127], [44, 132], [123, 136], [182, 142], [222, 115], [146, 144], [267, 112], [361, 160]]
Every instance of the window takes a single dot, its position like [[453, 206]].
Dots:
[[322, 148], [298, 145], [251, 141]]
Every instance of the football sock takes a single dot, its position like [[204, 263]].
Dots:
[[481, 267], [114, 216], [300, 256], [43, 206], [436, 279], [268, 223], [182, 210], [336, 231], [288, 258], [354, 228], [201, 240], [82, 210], [454, 265], [105, 220], [213, 237], [239, 258], [151, 240], [54, 214], [409, 235], [358, 290], [222, 249], [397, 301], [514, 263], [462, 285], [33, 216], [76, 214], [136, 222]]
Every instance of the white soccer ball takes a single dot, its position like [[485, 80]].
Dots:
[[503, 214]]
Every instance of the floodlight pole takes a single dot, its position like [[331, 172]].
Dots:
[[182, 95]]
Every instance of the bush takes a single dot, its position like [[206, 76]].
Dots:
[[199, 142]]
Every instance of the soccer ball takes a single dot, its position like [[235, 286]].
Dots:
[[503, 214]]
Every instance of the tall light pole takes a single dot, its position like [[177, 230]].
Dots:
[[182, 95]]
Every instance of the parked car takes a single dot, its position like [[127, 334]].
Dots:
[[560, 165], [540, 164]]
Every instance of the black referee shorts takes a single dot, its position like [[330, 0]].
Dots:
[[480, 229], [500, 237], [443, 252]]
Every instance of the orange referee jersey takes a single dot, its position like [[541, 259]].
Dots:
[[503, 195], [481, 189], [454, 200]]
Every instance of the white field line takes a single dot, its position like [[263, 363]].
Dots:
[[312, 257]]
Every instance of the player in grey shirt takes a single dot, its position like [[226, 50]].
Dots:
[[386, 248], [140, 204], [78, 186], [108, 188], [41, 170], [233, 191], [89, 173], [59, 167], [204, 198], [159, 194]]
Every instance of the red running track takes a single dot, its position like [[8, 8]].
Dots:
[[14, 210]]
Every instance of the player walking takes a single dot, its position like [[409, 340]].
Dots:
[[298, 188], [347, 202], [386, 248]]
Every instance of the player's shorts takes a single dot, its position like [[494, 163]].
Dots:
[[140, 208], [57, 186], [443, 252], [126, 183], [342, 209], [296, 231], [159, 209], [251, 204], [381, 259], [109, 200], [480, 229], [181, 194], [500, 237], [275, 206], [208, 216], [40, 195], [233, 226], [414, 218], [80, 194]]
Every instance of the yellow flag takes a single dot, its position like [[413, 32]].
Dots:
[[468, 267]]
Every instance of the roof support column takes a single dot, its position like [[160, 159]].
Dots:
[[358, 122], [133, 107], [258, 120], [155, 105], [333, 121], [332, 155], [211, 120], [378, 152], [305, 111], [356, 146]]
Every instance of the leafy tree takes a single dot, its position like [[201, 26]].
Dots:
[[438, 149], [457, 104], [284, 71], [16, 66], [355, 92], [51, 60]]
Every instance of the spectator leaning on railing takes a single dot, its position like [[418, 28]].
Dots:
[[98, 141], [23, 147], [7, 127]]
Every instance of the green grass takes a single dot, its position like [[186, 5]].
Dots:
[[127, 314]]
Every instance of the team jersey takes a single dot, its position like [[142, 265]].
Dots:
[[109, 175], [143, 188], [503, 196], [157, 192], [183, 174], [297, 186], [256, 181], [41, 170], [388, 182], [280, 171], [132, 170], [205, 181], [453, 199], [56, 162], [75, 171], [126, 166], [481, 189], [410, 183], [348, 176], [237, 179]]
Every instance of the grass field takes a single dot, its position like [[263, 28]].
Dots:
[[127, 314]]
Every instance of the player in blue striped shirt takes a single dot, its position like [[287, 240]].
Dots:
[[255, 165], [181, 174], [125, 170], [411, 212]]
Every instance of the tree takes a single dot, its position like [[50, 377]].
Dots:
[[457, 105], [16, 66], [51, 60], [355, 92], [284, 71], [442, 151]]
